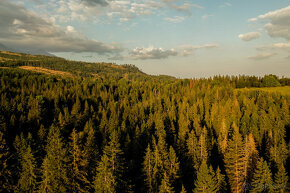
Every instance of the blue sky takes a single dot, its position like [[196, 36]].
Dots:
[[193, 38]]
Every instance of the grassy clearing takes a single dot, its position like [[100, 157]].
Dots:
[[285, 90], [46, 71]]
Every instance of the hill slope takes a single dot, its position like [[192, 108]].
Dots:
[[48, 63]]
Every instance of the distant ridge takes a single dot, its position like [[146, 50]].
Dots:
[[25, 51]]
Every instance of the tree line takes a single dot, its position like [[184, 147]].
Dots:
[[141, 135]]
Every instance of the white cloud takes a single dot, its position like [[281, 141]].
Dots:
[[261, 56], [279, 22], [185, 7], [188, 49], [252, 19], [176, 19], [249, 36], [151, 53], [96, 2], [283, 46], [206, 16], [21, 28], [226, 4], [70, 29]]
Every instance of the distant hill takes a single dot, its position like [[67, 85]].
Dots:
[[55, 65], [25, 51]]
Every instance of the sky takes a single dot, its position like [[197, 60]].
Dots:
[[182, 38]]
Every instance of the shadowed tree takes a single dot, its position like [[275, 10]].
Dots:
[[28, 174], [78, 176], [262, 179], [111, 167], [206, 180], [234, 161], [54, 168], [281, 180], [165, 186], [5, 172]]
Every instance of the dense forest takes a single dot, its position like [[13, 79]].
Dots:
[[126, 131]]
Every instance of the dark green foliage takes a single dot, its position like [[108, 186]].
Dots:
[[270, 81], [281, 180], [78, 175], [262, 179], [221, 181], [110, 168], [5, 170], [126, 131], [234, 161], [206, 180], [165, 186], [55, 164], [28, 175]]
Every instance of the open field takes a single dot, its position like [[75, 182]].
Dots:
[[283, 89], [46, 71]]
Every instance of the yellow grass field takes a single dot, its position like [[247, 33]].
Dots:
[[285, 90], [46, 71]]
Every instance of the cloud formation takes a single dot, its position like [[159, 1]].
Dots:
[[261, 56], [282, 46], [122, 10], [249, 36], [187, 50], [279, 22], [225, 4], [206, 16], [151, 53], [21, 28], [95, 2], [175, 19]]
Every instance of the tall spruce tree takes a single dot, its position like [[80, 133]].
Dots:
[[148, 166], [234, 161], [111, 167], [221, 181], [281, 180], [262, 179], [105, 181], [165, 186], [28, 174], [206, 181], [77, 162], [173, 169], [54, 169], [91, 152], [5, 170]]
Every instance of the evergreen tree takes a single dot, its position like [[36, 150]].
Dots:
[[105, 181], [165, 186], [251, 156], [54, 169], [206, 180], [78, 176], [148, 165], [45, 185], [182, 189], [221, 181], [5, 170], [91, 152], [28, 174], [234, 161], [281, 180], [262, 179], [173, 169], [111, 167]]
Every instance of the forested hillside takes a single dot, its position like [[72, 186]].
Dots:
[[125, 131]]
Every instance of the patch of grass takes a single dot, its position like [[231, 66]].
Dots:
[[285, 90], [46, 71]]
